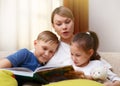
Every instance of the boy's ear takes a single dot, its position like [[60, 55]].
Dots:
[[35, 42]]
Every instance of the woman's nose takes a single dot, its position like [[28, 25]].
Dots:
[[64, 26]]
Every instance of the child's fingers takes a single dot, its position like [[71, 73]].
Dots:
[[75, 74]]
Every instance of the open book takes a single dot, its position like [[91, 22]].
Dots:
[[43, 74]]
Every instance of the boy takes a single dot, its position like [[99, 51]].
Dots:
[[45, 46]]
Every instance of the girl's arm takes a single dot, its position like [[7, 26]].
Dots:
[[5, 63], [88, 77], [115, 83], [114, 79]]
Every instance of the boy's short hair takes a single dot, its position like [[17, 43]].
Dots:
[[48, 36]]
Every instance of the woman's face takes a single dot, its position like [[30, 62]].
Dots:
[[44, 50], [79, 56], [64, 26]]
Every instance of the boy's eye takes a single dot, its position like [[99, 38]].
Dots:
[[44, 48], [51, 52]]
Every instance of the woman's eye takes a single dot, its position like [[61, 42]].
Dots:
[[58, 24], [68, 21]]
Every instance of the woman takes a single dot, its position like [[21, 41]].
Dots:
[[62, 20]]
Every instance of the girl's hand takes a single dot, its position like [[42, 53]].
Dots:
[[75, 74], [110, 83]]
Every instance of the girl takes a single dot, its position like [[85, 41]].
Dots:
[[85, 57]]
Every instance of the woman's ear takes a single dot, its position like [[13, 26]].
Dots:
[[53, 27]]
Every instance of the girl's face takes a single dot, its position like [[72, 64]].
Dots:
[[64, 26], [44, 50], [79, 56]]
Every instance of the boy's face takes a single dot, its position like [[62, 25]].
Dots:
[[44, 50], [79, 56]]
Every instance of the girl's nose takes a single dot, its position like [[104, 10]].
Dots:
[[73, 57]]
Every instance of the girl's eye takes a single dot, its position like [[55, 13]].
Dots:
[[71, 54], [77, 55]]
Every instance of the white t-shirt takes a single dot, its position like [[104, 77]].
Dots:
[[94, 64], [88, 68], [62, 57]]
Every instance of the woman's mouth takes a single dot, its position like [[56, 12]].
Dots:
[[65, 33]]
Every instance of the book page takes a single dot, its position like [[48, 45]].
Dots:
[[23, 73], [55, 73], [44, 68], [20, 71]]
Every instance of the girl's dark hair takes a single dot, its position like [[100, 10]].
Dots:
[[86, 41]]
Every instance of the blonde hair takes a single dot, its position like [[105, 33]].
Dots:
[[62, 11], [48, 36]]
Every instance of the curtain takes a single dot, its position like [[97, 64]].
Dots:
[[22, 20], [80, 12]]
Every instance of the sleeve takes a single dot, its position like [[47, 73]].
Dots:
[[112, 76], [18, 58], [106, 63]]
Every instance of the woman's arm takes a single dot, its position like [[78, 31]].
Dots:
[[5, 63]]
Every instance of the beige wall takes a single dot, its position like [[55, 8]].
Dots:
[[104, 18]]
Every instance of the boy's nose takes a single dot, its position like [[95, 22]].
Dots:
[[46, 53]]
